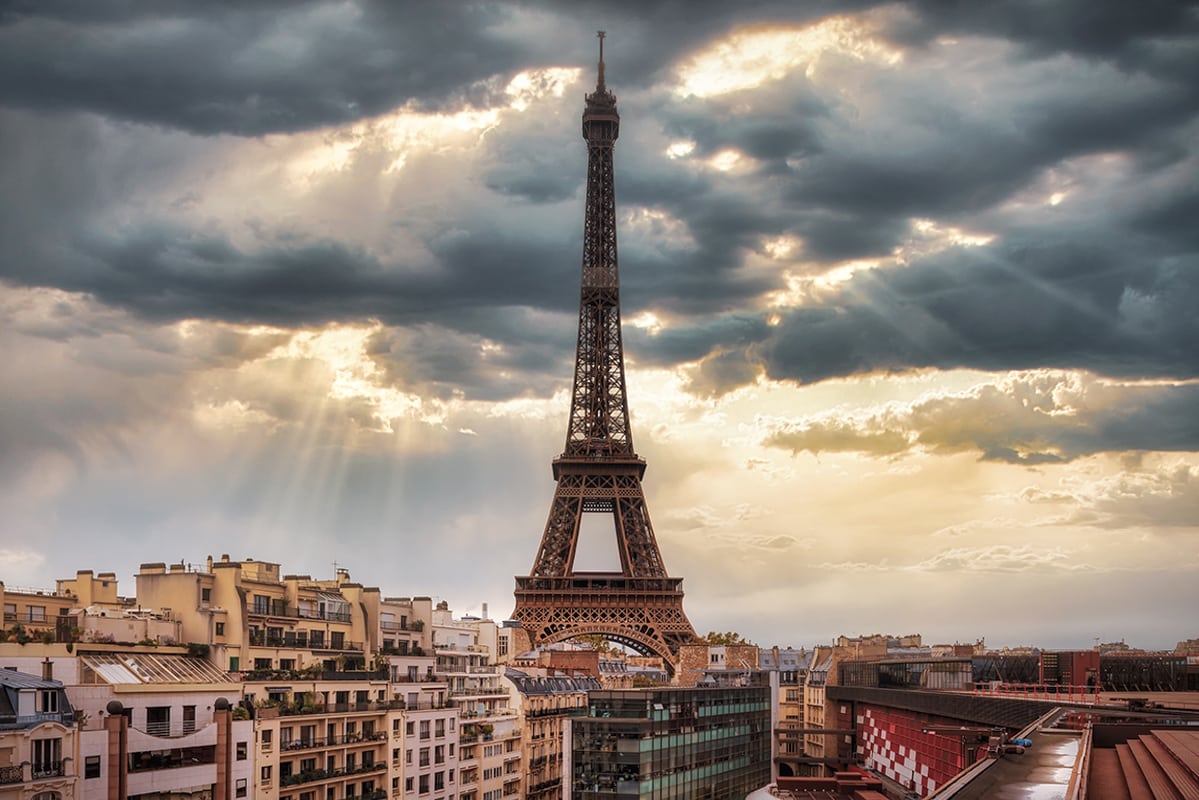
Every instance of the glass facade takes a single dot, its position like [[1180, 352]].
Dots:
[[661, 744]]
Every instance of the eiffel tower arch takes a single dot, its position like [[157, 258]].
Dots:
[[598, 471]]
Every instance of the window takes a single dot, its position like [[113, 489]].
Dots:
[[241, 787], [91, 766], [408, 757], [242, 751], [268, 737], [424, 729], [47, 701], [10, 611], [220, 629], [316, 639], [37, 613], [439, 728], [262, 604], [234, 663], [337, 640], [439, 754], [265, 774], [263, 663], [47, 758], [408, 784], [424, 756], [438, 781], [158, 720], [206, 595], [410, 728], [424, 784]]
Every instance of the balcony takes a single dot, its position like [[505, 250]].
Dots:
[[293, 710], [314, 675], [12, 775], [328, 741], [282, 610], [313, 775], [393, 627]]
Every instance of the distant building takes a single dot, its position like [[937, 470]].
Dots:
[[791, 667], [686, 743], [696, 660]]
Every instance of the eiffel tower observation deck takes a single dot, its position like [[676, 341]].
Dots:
[[599, 472]]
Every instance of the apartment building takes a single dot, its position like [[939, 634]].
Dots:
[[489, 747], [545, 701], [39, 752], [151, 721]]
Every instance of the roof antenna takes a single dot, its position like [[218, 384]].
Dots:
[[600, 84]]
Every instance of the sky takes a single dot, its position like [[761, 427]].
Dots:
[[910, 299]]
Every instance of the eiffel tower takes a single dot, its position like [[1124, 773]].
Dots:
[[599, 472]]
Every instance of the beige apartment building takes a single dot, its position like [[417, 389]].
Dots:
[[545, 701], [489, 752], [39, 746], [256, 619]]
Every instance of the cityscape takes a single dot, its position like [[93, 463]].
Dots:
[[889, 367]]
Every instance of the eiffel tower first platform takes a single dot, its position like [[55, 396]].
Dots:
[[599, 472]]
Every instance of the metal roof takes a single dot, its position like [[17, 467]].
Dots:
[[21, 680]]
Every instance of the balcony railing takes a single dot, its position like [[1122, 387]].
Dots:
[[314, 675], [47, 769], [289, 710], [12, 775], [313, 775], [574, 711], [352, 738], [392, 627], [292, 612], [258, 639], [377, 794]]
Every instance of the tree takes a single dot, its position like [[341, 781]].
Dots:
[[595, 641], [726, 637]]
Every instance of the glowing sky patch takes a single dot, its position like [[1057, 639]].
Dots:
[[747, 59]]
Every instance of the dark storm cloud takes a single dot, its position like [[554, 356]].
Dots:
[[1081, 26], [1012, 305], [248, 68], [165, 272]]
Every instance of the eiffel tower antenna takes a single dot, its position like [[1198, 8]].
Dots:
[[598, 471], [599, 84]]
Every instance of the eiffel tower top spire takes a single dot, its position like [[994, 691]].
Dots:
[[599, 83]]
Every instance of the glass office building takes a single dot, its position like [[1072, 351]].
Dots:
[[660, 744]]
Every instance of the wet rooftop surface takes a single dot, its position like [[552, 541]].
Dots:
[[1042, 772]]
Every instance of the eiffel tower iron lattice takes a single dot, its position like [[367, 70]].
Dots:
[[598, 471]]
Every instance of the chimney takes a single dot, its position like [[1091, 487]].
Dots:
[[485, 611], [47, 669]]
